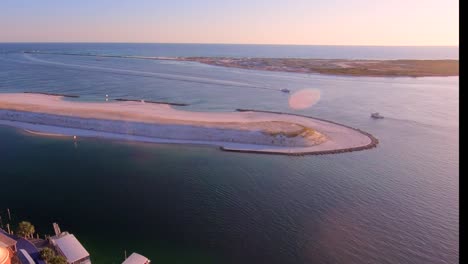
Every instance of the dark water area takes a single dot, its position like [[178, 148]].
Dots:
[[397, 203]]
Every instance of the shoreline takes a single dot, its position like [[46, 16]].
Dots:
[[338, 67], [63, 132], [242, 131], [335, 67]]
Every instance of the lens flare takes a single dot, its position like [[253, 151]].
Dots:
[[304, 98]]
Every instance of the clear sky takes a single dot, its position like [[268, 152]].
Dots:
[[326, 22]]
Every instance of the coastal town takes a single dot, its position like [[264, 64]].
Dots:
[[20, 244]]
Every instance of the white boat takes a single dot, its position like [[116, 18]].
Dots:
[[376, 115], [284, 90]]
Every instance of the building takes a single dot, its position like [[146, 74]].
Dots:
[[68, 246], [136, 258], [5, 257], [7, 248], [25, 257]]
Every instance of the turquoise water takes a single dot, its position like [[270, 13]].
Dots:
[[397, 203]]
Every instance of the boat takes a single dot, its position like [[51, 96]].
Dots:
[[284, 90], [376, 115]]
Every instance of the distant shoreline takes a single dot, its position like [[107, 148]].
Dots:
[[343, 67], [365, 68]]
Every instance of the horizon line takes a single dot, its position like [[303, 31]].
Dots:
[[207, 43]]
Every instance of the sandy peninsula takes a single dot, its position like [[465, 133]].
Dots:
[[245, 131]]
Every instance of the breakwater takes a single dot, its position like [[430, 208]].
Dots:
[[373, 140]]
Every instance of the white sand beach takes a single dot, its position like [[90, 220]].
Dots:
[[138, 121]]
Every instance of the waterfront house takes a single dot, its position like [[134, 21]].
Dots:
[[5, 256], [68, 246], [7, 248], [7, 242], [24, 257], [136, 258]]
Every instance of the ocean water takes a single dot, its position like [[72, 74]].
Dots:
[[397, 203]]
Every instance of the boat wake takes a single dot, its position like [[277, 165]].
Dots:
[[165, 76], [49, 134], [413, 122]]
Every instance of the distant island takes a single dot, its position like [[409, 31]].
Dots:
[[244, 130], [344, 67], [376, 68]]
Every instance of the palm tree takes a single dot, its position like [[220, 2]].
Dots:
[[25, 229], [58, 260], [47, 254]]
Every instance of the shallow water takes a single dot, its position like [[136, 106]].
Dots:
[[397, 203]]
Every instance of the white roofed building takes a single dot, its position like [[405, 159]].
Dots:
[[68, 246], [136, 258]]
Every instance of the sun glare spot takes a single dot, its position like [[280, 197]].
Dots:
[[304, 98]]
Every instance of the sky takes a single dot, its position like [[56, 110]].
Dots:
[[301, 22]]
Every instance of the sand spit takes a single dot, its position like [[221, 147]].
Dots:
[[245, 131]]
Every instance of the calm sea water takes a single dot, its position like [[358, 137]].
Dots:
[[398, 203]]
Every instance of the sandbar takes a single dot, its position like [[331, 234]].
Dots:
[[243, 131]]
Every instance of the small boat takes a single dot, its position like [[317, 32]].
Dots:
[[376, 115], [284, 90]]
